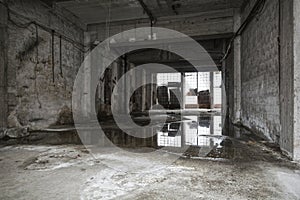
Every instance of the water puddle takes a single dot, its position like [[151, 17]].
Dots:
[[190, 135], [198, 136]]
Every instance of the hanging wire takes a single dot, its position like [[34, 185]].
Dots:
[[78, 45], [256, 10]]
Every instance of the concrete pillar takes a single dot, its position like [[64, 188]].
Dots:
[[290, 78], [139, 79], [3, 66], [148, 91], [144, 92], [286, 77], [227, 90], [132, 83], [151, 91], [86, 100], [211, 79], [154, 90], [117, 68], [183, 90], [237, 69], [211, 126], [296, 80], [127, 86]]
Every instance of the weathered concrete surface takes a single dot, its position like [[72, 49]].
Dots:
[[233, 76], [286, 78], [270, 75], [296, 80], [236, 115], [32, 95], [260, 72], [3, 66], [69, 172]]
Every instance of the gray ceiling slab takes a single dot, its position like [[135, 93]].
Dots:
[[100, 11]]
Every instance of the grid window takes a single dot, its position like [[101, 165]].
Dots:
[[217, 79], [203, 81], [190, 82], [217, 88], [217, 96], [164, 78]]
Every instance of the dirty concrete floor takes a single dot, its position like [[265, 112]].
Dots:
[[70, 172]]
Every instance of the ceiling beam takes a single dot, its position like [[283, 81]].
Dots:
[[205, 25], [201, 15]]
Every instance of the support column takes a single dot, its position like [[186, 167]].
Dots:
[[183, 90], [3, 66], [133, 80], [144, 91], [289, 77], [237, 69], [148, 90], [286, 76], [211, 79], [296, 80], [154, 89], [86, 100], [127, 86]]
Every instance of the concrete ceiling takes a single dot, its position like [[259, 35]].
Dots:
[[100, 11]]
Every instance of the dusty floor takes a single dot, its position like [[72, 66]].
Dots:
[[69, 172], [212, 165]]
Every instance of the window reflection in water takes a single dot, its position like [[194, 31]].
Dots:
[[195, 131]]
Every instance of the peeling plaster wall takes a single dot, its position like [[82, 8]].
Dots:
[[33, 98]]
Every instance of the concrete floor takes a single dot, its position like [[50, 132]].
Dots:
[[213, 166], [70, 172]]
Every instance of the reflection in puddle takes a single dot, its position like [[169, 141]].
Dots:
[[200, 135], [203, 136], [170, 135], [192, 132]]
